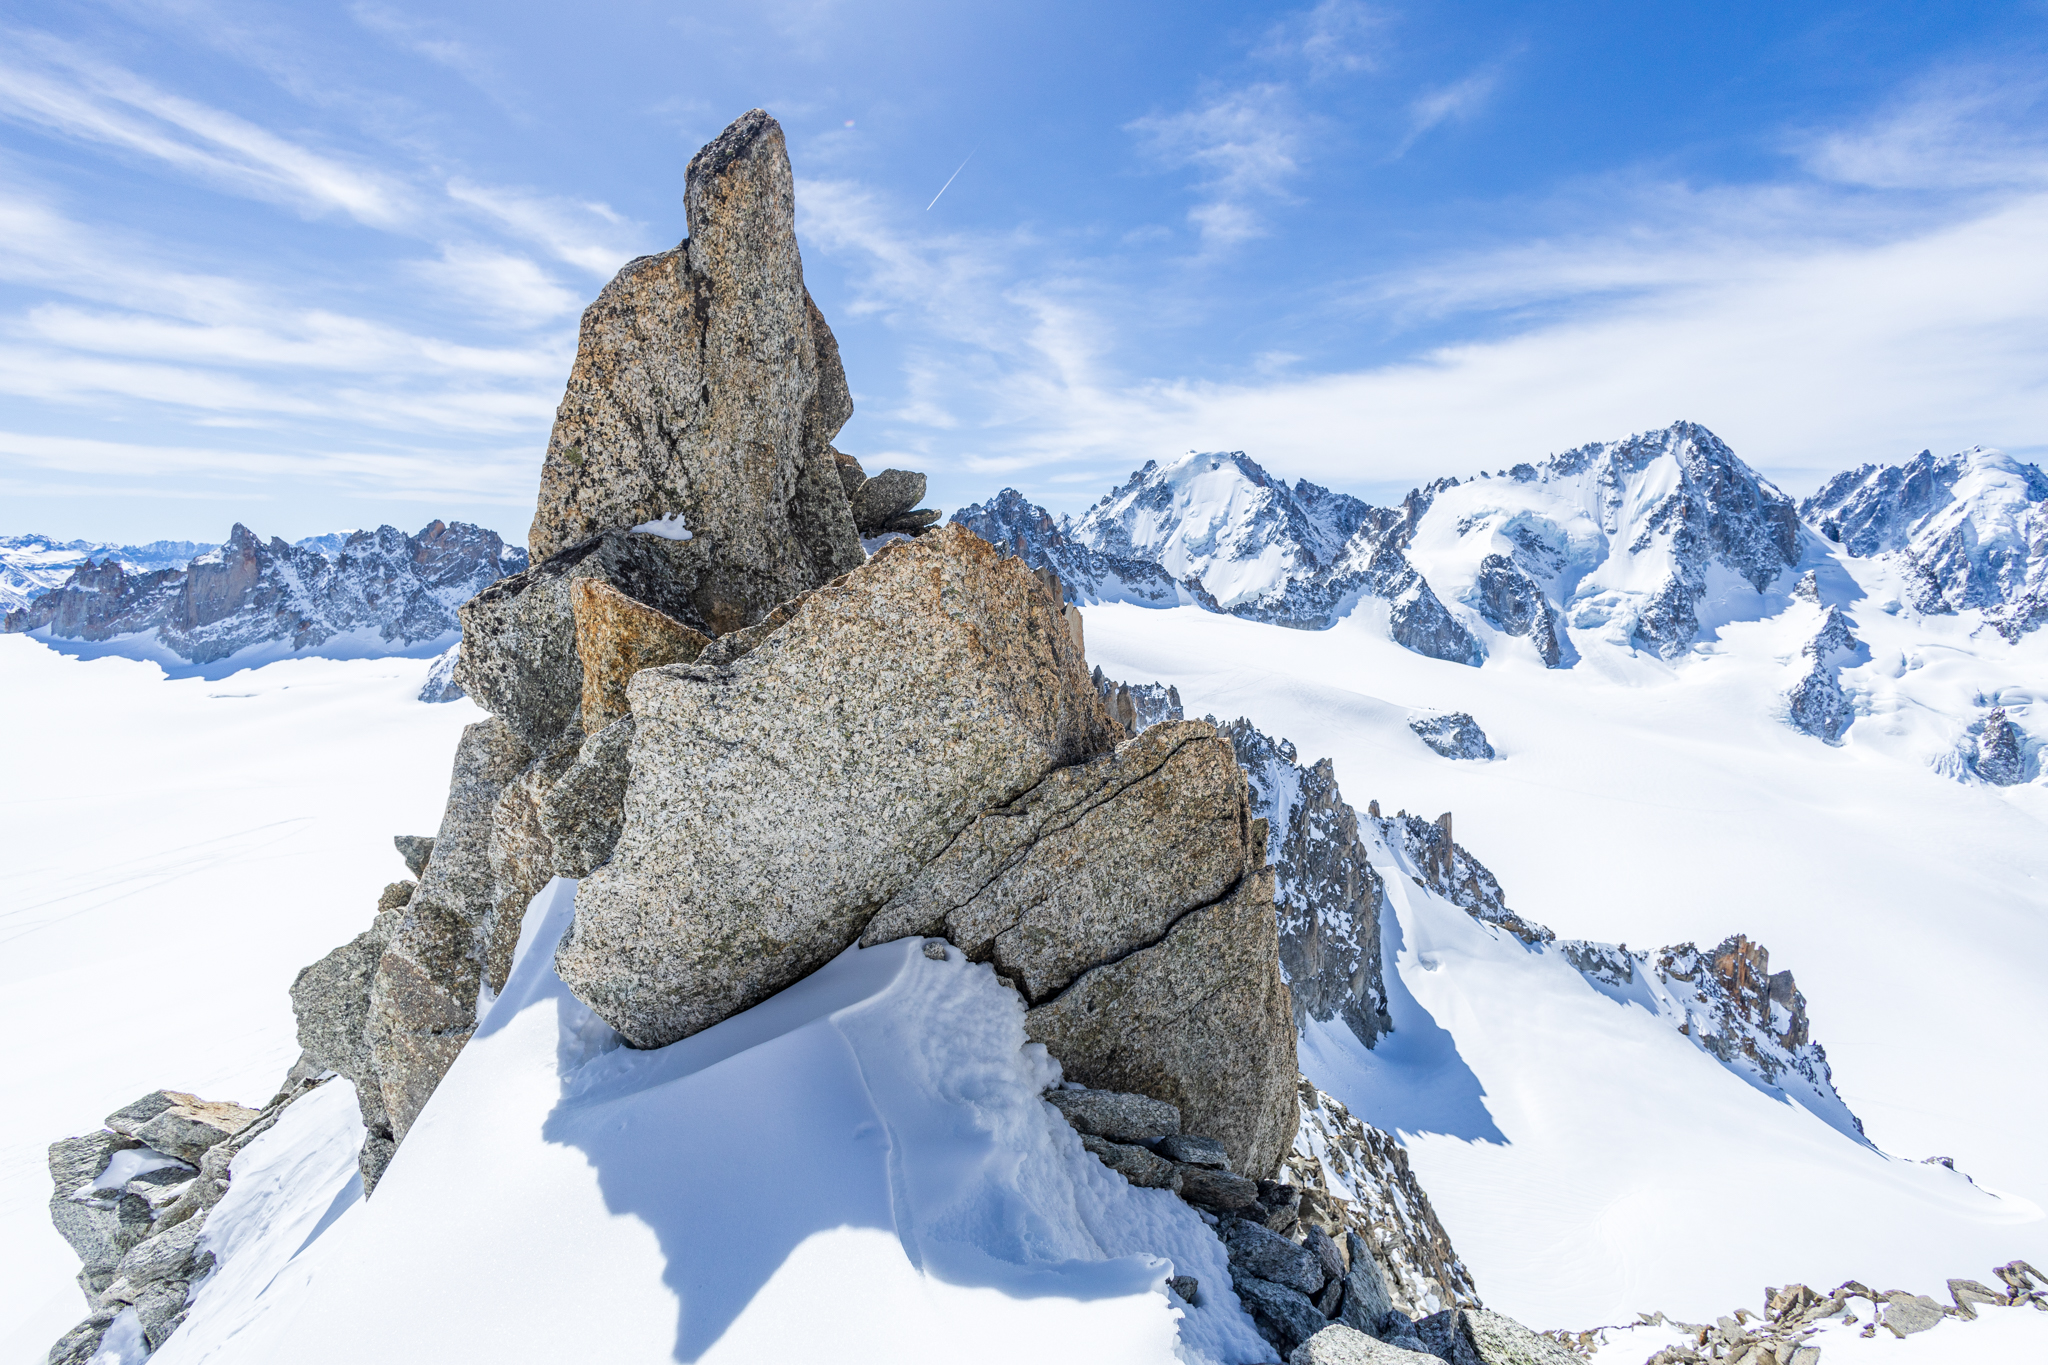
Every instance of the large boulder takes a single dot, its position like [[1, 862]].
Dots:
[[616, 637], [706, 391], [778, 801], [1096, 861], [1200, 1019], [1479, 1336]]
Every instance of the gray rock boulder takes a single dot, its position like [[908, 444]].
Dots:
[[1479, 1336], [1454, 734], [584, 810], [1200, 1019], [1283, 1316], [1117, 1117], [1192, 1149], [1256, 1250], [1135, 1164], [99, 1229], [778, 801], [707, 387], [1217, 1190], [1338, 1344], [415, 849], [178, 1124], [1906, 1314], [1094, 862], [1366, 1306], [884, 497]]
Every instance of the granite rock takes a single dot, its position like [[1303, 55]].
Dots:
[[708, 387], [1093, 863], [583, 811], [1115, 1116], [1134, 1163], [178, 1124], [1256, 1250], [1217, 1190], [1200, 1019], [616, 637], [1195, 1150], [1479, 1336], [778, 801], [1338, 1344], [415, 849], [884, 497], [1283, 1316]]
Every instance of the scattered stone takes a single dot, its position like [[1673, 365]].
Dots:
[[1283, 1316], [884, 497], [178, 1124], [1135, 1164], [1255, 1250], [1969, 1293], [1218, 1190], [1453, 735], [1338, 1344], [415, 849], [935, 949], [395, 895], [1121, 1117], [775, 809], [1188, 1288], [1905, 1314]]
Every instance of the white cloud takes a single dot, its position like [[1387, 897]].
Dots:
[[1462, 99], [501, 284], [583, 234], [52, 85], [1337, 37], [1958, 130], [1245, 146]]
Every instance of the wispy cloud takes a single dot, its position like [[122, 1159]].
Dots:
[[1457, 102], [587, 235], [1245, 146], [50, 84], [1968, 128], [1337, 37]]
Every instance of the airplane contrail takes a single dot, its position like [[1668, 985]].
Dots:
[[951, 178]]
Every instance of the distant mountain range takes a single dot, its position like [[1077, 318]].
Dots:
[[379, 591], [1645, 546]]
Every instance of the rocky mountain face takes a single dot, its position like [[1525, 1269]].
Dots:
[[33, 565], [381, 585], [1327, 894], [1621, 539], [1967, 530]]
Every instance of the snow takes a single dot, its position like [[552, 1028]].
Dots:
[[669, 527], [859, 1168], [124, 1167], [1588, 1161], [178, 850]]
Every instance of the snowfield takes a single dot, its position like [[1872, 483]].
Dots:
[[860, 1167]]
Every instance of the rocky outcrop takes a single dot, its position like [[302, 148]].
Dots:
[[2001, 750], [616, 637], [1513, 603], [707, 388], [1475, 1336], [32, 565], [1017, 526], [885, 504], [246, 592], [785, 796], [1966, 531], [1327, 896], [1448, 869], [440, 685], [132, 1201], [1453, 734], [1816, 703], [1137, 706]]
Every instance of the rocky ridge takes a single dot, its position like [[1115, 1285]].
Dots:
[[32, 565], [381, 585], [1968, 531]]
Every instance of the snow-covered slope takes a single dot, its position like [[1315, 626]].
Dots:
[[1590, 1159], [32, 565], [858, 1169], [244, 601], [1968, 530]]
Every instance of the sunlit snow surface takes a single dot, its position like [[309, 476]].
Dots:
[[858, 1169], [1587, 1160]]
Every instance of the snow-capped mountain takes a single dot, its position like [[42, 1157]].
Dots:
[[32, 565], [385, 589], [1968, 530]]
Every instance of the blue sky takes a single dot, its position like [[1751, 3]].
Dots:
[[315, 265]]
